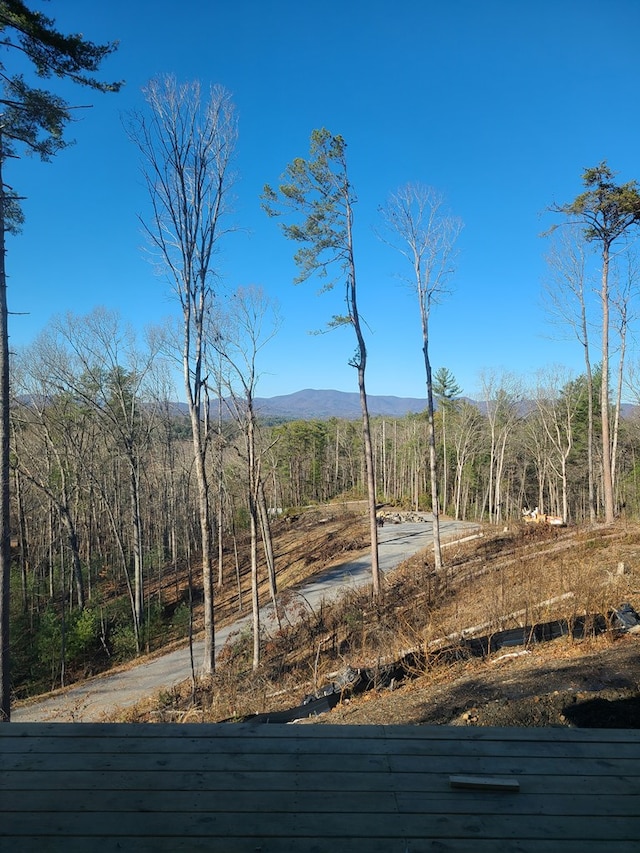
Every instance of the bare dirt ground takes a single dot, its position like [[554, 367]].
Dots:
[[591, 683], [507, 578]]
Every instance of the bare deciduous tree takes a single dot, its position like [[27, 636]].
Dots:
[[567, 299], [502, 397], [419, 227], [106, 370], [60, 434], [466, 435], [557, 399], [250, 323], [187, 143], [624, 293]]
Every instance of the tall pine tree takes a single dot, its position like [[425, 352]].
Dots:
[[34, 120], [608, 212]]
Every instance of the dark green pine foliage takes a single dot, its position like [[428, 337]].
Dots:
[[608, 212], [317, 198], [606, 209], [31, 119]]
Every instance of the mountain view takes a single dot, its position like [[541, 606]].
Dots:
[[322, 404]]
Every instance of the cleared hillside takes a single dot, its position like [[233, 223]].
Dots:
[[504, 580]]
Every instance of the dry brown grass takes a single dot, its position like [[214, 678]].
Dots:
[[508, 579], [304, 545]]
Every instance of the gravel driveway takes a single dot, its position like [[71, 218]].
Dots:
[[92, 700]]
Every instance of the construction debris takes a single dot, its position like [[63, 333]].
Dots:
[[534, 516], [396, 517]]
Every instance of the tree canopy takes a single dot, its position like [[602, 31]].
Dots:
[[606, 209], [34, 116]]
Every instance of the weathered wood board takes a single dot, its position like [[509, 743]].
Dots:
[[76, 787]]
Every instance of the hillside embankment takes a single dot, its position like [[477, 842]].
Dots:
[[424, 629]]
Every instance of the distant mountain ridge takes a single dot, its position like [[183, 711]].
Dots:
[[305, 405], [324, 404]]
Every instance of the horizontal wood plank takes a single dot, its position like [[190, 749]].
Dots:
[[385, 844], [349, 801], [320, 782], [288, 762], [204, 824], [254, 744], [319, 844], [283, 788], [302, 731]]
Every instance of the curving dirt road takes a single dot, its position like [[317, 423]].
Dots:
[[93, 700]]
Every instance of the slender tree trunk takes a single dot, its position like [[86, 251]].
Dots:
[[361, 364], [72, 539], [236, 557], [499, 478], [50, 537], [607, 479], [383, 455], [255, 600], [5, 521], [371, 485], [22, 539], [220, 542], [253, 477], [565, 502], [253, 521], [619, 386], [206, 539], [220, 490], [265, 529], [589, 375], [591, 484], [134, 497], [127, 575], [433, 469], [193, 388], [445, 465], [492, 465]]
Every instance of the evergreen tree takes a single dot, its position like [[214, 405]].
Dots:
[[31, 119], [608, 212], [446, 389], [320, 197]]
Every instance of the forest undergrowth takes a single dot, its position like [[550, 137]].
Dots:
[[57, 646]]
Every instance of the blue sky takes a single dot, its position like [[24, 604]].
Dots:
[[498, 104]]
